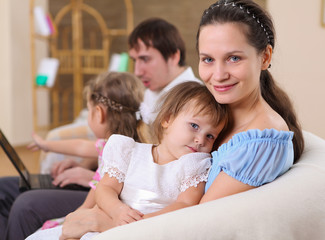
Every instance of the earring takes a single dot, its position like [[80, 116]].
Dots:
[[269, 66]]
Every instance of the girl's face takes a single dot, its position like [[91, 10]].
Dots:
[[188, 133], [229, 66], [96, 120]]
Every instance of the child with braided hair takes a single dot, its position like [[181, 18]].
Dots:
[[113, 101]]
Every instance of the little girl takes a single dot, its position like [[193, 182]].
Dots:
[[113, 100], [144, 180]]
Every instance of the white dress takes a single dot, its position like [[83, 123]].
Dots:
[[148, 187]]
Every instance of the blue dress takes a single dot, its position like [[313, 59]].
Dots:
[[254, 157]]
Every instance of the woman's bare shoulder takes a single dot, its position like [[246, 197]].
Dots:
[[268, 119]]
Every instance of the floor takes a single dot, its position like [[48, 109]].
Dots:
[[30, 159]]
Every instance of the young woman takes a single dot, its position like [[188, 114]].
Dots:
[[235, 42]]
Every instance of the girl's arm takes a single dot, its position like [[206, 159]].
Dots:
[[223, 186], [59, 167], [90, 201], [89, 163], [75, 175], [107, 199], [187, 198], [76, 147]]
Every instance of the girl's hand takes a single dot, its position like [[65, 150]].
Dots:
[[76, 175], [60, 167], [38, 144], [124, 214]]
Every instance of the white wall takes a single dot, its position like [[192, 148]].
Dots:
[[16, 118], [5, 83], [298, 64], [299, 59], [15, 83]]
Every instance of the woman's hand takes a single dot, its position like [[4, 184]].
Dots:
[[38, 144], [76, 175], [82, 221], [124, 214], [60, 167]]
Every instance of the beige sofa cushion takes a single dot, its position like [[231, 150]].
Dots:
[[291, 207]]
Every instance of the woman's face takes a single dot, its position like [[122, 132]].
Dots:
[[229, 66]]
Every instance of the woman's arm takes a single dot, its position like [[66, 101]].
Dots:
[[85, 220], [76, 147], [107, 199], [223, 186], [73, 227], [187, 198]]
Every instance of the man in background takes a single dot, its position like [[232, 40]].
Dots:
[[158, 52]]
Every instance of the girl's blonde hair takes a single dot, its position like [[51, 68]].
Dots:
[[191, 96], [121, 94]]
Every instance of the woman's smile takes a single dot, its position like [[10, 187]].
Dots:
[[224, 88]]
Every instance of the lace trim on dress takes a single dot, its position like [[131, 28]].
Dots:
[[193, 181], [116, 173]]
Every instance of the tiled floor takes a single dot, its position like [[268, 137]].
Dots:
[[30, 159]]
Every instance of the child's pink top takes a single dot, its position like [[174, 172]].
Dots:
[[100, 143]]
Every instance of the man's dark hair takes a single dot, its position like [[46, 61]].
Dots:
[[159, 34]]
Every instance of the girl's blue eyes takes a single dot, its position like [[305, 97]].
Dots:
[[210, 136], [195, 126]]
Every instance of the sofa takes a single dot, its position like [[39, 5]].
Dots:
[[291, 207]]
